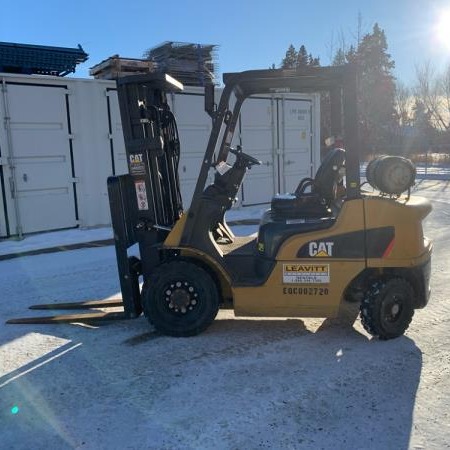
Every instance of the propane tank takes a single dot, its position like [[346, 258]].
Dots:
[[391, 174]]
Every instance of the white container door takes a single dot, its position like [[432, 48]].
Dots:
[[36, 136], [258, 137], [295, 121], [194, 127], [278, 132]]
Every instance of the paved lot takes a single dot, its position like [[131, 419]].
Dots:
[[243, 384]]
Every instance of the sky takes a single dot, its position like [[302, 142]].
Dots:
[[250, 34]]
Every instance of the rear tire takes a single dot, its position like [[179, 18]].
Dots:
[[387, 308], [180, 299]]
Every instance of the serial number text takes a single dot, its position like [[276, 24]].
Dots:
[[305, 291]]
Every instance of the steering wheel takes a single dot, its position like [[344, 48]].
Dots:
[[249, 160]]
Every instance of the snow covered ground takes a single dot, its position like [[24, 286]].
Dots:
[[243, 384]]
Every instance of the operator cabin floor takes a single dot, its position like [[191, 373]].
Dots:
[[242, 245], [241, 260]]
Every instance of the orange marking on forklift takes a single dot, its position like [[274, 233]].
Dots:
[[389, 248]]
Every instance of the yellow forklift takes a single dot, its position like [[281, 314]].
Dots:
[[326, 244]]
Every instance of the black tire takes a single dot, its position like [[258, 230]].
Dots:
[[180, 299], [387, 308]]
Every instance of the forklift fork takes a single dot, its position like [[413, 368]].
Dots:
[[120, 190]]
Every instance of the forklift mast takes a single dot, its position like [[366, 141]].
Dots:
[[152, 146], [145, 203]]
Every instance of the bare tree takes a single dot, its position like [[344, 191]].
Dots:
[[360, 30], [337, 48], [445, 89], [403, 103], [433, 92], [331, 47]]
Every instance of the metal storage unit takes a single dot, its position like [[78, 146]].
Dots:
[[37, 158], [60, 138], [283, 131], [55, 153]]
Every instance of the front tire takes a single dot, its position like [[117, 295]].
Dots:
[[180, 299], [387, 308]]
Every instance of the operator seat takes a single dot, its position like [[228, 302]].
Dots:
[[318, 201], [301, 212]]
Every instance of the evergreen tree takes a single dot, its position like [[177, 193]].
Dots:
[[314, 62], [376, 89], [351, 55], [294, 59], [339, 58], [290, 59], [302, 57]]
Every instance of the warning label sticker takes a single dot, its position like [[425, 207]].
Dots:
[[141, 194], [306, 273]]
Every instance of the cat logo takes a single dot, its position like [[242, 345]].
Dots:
[[321, 249], [136, 159]]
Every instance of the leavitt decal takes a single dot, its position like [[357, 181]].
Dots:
[[306, 273]]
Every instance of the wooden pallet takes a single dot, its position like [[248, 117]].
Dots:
[[116, 67]]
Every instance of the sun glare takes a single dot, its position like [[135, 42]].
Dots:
[[443, 29]]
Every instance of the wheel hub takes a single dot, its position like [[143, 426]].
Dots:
[[181, 297], [393, 309]]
